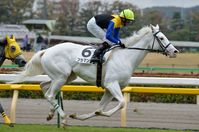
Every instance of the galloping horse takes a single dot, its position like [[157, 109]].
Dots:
[[10, 49], [60, 64]]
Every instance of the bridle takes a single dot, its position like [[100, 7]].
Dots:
[[164, 48], [163, 51]]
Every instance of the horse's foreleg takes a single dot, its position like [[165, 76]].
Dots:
[[107, 97], [83, 116], [115, 90]]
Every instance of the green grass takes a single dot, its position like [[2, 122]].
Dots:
[[53, 128]]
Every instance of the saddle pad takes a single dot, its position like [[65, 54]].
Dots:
[[85, 54]]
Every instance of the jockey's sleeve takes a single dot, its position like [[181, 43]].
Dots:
[[116, 34], [112, 33]]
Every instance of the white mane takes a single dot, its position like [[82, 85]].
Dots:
[[138, 35]]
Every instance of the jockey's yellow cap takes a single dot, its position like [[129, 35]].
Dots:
[[127, 14]]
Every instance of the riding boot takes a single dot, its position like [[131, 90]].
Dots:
[[98, 51]]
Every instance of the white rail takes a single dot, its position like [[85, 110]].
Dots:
[[133, 80]]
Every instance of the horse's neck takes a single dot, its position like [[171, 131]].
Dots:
[[2, 54], [136, 56], [2, 48]]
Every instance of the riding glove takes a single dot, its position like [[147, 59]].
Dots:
[[121, 44]]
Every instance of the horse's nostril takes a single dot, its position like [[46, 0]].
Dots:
[[176, 51], [23, 62]]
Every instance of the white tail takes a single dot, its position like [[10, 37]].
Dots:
[[32, 68]]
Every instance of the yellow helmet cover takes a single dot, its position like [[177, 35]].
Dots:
[[127, 14]]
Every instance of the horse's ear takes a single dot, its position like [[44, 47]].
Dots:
[[157, 26], [13, 37], [7, 37], [152, 28]]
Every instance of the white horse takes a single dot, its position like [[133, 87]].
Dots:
[[59, 63]]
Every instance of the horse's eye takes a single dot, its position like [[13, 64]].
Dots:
[[12, 48], [161, 38]]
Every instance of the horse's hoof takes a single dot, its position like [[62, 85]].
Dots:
[[64, 123], [49, 117], [98, 113], [73, 116], [11, 125]]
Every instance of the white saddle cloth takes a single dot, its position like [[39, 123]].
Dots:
[[86, 54]]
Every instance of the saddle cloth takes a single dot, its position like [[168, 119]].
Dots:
[[86, 53]]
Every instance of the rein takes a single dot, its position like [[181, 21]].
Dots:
[[150, 50]]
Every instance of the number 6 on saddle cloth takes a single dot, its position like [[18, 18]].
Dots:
[[87, 53], [90, 53]]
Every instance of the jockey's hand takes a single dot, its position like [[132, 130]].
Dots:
[[121, 45]]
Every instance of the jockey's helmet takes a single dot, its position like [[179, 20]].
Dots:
[[127, 14]]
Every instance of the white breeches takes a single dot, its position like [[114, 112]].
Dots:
[[97, 31]]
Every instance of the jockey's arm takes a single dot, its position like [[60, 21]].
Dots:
[[112, 33], [116, 34]]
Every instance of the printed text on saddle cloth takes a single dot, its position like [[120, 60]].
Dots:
[[85, 55]]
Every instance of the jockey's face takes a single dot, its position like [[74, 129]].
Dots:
[[126, 22]]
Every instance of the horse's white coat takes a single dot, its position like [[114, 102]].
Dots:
[[59, 64]]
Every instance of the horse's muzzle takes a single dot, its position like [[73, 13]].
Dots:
[[20, 61]]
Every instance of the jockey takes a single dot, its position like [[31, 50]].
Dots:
[[106, 27]]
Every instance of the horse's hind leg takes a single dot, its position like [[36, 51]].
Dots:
[[52, 92], [44, 87]]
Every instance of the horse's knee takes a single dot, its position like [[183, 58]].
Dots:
[[122, 104], [48, 97]]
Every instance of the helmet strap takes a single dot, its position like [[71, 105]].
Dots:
[[124, 14], [124, 20]]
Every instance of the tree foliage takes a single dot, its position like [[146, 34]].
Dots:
[[15, 11], [67, 19], [194, 26]]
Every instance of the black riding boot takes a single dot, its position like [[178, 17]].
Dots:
[[98, 51]]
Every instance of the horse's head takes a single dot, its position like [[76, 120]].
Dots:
[[163, 43], [13, 51]]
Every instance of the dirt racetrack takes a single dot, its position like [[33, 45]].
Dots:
[[142, 115]]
